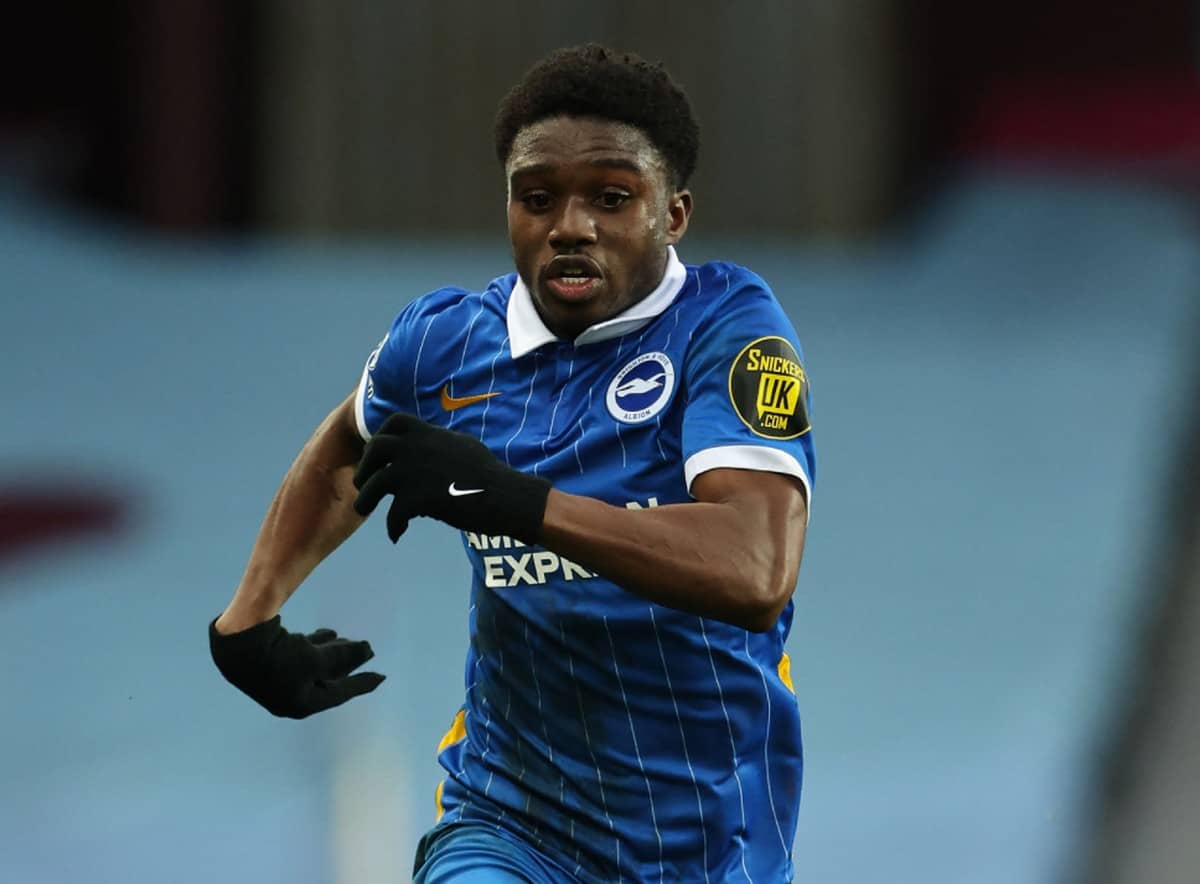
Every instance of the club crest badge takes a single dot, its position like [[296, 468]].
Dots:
[[769, 389], [642, 388]]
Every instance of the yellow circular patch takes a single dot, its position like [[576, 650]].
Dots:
[[769, 389]]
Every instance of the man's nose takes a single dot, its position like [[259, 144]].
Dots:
[[574, 225]]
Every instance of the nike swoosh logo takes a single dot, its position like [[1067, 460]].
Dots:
[[462, 492], [452, 403]]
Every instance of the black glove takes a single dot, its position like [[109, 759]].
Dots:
[[289, 674], [448, 476]]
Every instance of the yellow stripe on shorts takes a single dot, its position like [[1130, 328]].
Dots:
[[457, 732], [785, 671]]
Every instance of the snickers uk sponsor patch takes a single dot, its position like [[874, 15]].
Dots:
[[769, 389]]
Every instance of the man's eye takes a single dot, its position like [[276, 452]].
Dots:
[[537, 201], [612, 199]]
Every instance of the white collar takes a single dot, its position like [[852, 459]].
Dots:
[[527, 332]]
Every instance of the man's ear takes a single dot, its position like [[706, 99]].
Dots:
[[679, 210]]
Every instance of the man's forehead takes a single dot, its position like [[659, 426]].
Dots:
[[556, 141]]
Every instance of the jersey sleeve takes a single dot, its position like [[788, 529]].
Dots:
[[747, 393], [389, 379]]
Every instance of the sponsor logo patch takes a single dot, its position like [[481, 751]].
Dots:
[[642, 388], [769, 389]]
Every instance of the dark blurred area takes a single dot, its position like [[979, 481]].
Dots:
[[135, 108], [353, 117], [982, 219]]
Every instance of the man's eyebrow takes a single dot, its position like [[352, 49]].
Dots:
[[599, 163], [532, 169]]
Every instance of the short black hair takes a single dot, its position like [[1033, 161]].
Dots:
[[595, 81]]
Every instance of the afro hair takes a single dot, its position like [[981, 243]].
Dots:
[[594, 81]]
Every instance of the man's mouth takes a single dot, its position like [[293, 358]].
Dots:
[[572, 277]]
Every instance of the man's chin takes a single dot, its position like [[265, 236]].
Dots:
[[569, 319]]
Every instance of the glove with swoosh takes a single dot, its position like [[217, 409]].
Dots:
[[448, 476]]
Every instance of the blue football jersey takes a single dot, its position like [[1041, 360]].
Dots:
[[624, 740]]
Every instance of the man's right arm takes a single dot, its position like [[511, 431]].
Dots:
[[311, 516]]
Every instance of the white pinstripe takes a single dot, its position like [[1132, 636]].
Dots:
[[617, 424], [525, 414], [417, 365], [462, 761], [696, 272], [562, 780], [732, 744], [665, 347], [728, 281], [466, 343], [491, 387], [692, 330], [683, 738], [582, 432], [520, 754], [636, 750], [587, 738], [766, 746], [554, 413], [538, 688], [578, 862], [487, 724]]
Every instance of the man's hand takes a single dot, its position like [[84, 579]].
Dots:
[[448, 476], [289, 674]]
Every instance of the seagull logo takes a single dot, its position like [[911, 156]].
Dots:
[[638, 386], [642, 388]]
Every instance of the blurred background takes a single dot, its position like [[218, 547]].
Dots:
[[982, 219]]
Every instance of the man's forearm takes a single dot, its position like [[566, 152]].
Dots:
[[733, 557], [311, 515]]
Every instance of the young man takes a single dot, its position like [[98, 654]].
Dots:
[[623, 441]]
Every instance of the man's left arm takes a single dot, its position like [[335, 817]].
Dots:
[[732, 555]]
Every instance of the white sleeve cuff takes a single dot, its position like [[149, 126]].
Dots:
[[360, 399], [746, 457]]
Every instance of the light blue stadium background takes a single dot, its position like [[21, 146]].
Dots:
[[998, 394]]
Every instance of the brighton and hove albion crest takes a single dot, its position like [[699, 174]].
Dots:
[[769, 389], [642, 388]]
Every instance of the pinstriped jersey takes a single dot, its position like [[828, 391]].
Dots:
[[624, 740]]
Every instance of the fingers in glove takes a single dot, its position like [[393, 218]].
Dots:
[[397, 519], [381, 448], [327, 694], [342, 656], [361, 683], [322, 636], [381, 483]]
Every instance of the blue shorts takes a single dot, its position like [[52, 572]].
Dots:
[[481, 853]]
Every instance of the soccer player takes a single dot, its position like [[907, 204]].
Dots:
[[623, 441]]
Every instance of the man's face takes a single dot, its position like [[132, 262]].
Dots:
[[590, 215]]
